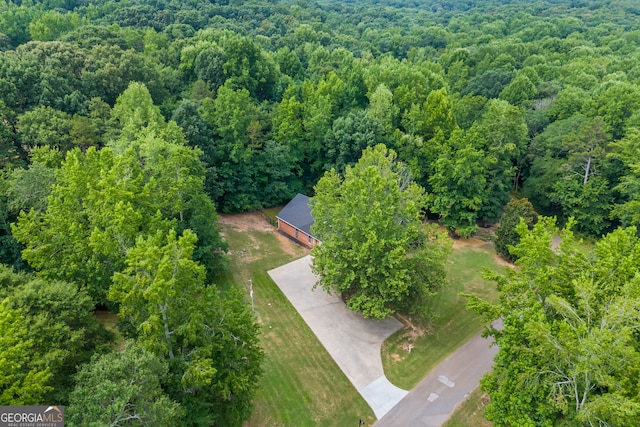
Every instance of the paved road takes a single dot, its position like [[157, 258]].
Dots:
[[432, 402], [353, 341]]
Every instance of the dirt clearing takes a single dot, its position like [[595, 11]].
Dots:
[[255, 221]]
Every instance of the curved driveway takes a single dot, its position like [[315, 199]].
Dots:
[[353, 341]]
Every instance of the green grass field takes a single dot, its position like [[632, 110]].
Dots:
[[470, 412], [410, 354], [302, 385]]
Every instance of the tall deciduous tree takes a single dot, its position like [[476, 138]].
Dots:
[[10, 150], [95, 211], [136, 113], [382, 109], [375, 250], [506, 235], [628, 151], [9, 246], [21, 383], [348, 136], [502, 134], [45, 126], [61, 329], [568, 352], [210, 342], [459, 184], [123, 389]]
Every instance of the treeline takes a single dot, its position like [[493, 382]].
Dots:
[[539, 99], [125, 125], [128, 227]]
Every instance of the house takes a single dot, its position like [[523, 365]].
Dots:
[[295, 221]]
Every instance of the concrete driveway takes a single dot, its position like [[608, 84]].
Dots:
[[353, 341]]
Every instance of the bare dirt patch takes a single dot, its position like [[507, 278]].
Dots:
[[411, 332], [255, 221], [246, 221], [500, 261], [469, 243]]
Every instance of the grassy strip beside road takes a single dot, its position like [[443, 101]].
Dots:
[[412, 352], [470, 412], [302, 385]]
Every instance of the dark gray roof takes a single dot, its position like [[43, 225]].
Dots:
[[298, 213]]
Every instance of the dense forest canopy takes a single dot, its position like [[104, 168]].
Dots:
[[536, 97], [125, 125]]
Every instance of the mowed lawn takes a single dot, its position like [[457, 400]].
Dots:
[[301, 385], [471, 411], [412, 352]]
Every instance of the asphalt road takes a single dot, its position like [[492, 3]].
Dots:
[[432, 402]]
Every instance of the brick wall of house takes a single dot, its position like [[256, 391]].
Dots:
[[301, 237]]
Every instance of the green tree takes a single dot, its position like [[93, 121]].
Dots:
[[231, 115], [157, 290], [348, 137], [103, 201], [459, 184], [627, 150], [52, 24], [111, 68], [587, 148], [208, 67], [136, 114], [318, 109], [55, 70], [548, 153], [210, 342], [14, 22], [583, 190], [569, 101], [382, 109], [435, 115], [375, 251], [568, 346], [502, 134], [29, 188], [591, 204], [122, 388], [615, 102], [240, 153], [247, 66], [489, 84], [10, 150], [288, 122], [61, 327], [197, 132], [275, 180], [468, 109], [85, 132], [506, 235], [21, 383], [519, 91], [45, 126], [95, 211]]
